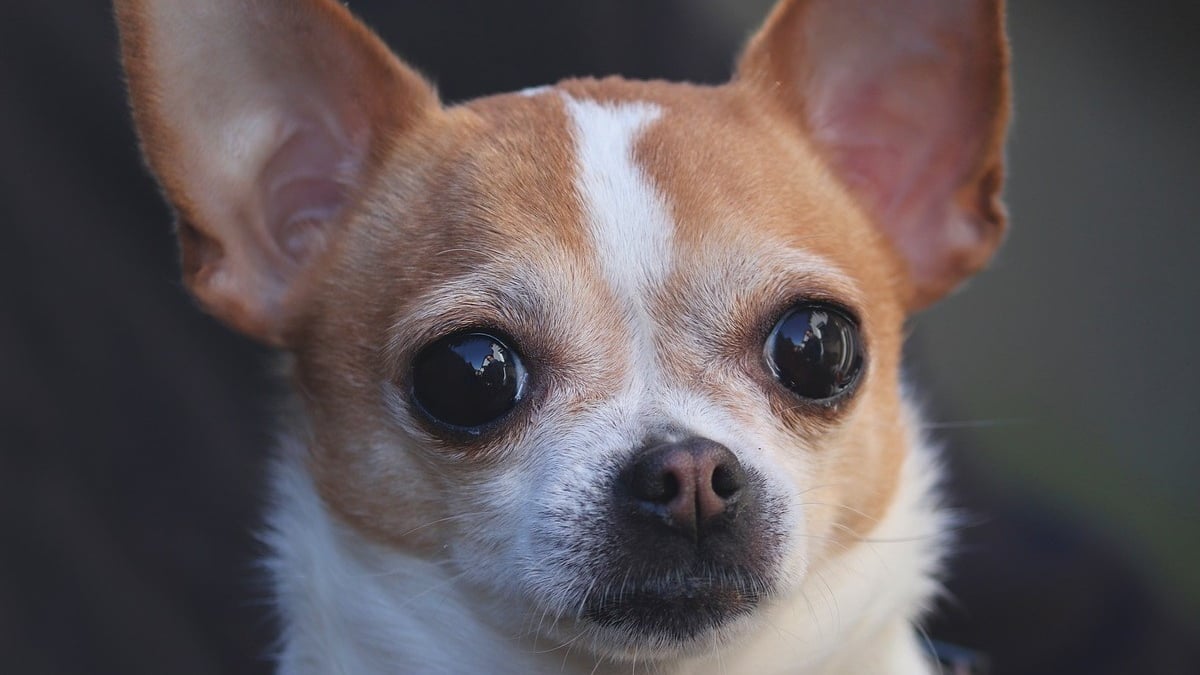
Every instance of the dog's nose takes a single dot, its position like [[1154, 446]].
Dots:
[[688, 485]]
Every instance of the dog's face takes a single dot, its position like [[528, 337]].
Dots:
[[623, 354], [577, 326]]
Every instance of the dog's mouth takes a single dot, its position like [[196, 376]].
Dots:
[[675, 608], [653, 575]]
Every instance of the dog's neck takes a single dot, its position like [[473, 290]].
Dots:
[[350, 605]]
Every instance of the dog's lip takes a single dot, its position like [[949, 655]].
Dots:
[[676, 607]]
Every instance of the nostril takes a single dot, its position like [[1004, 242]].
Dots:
[[725, 482], [653, 483], [670, 488]]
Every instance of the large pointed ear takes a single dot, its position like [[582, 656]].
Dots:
[[260, 119], [907, 100]]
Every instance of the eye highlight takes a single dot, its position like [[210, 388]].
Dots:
[[467, 380], [815, 351]]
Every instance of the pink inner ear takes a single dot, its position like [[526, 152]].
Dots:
[[304, 185], [907, 100], [904, 145]]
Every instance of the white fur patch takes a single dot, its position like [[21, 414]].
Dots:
[[352, 607], [629, 220]]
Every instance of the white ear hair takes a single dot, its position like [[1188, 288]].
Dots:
[[908, 102], [258, 118]]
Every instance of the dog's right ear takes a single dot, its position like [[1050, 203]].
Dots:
[[907, 101], [260, 119]]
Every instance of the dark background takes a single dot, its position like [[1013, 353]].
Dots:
[[133, 429]]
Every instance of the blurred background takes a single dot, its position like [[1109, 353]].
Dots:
[[133, 429]]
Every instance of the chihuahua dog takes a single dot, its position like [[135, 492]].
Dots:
[[597, 376]]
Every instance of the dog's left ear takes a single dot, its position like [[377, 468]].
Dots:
[[263, 120], [907, 100]]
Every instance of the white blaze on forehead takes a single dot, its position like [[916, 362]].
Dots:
[[629, 220]]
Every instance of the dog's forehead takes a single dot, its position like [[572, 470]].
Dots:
[[589, 199], [650, 181]]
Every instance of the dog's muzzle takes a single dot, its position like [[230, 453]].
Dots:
[[687, 551]]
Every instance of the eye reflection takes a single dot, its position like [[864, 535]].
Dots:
[[485, 358], [467, 379], [814, 350]]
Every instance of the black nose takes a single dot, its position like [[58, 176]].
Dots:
[[691, 485]]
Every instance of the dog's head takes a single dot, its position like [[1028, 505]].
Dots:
[[623, 353]]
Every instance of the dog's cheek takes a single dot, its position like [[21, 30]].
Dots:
[[858, 463], [557, 520], [784, 461], [565, 546], [486, 543], [381, 487], [815, 485]]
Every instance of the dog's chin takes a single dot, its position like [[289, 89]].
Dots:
[[671, 615]]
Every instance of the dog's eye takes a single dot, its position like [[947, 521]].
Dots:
[[467, 379], [815, 351]]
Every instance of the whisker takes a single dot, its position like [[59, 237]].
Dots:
[[403, 570], [443, 520], [837, 610], [583, 600], [976, 424], [928, 640], [436, 587], [851, 509]]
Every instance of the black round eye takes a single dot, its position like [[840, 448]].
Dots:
[[467, 379], [814, 350]]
